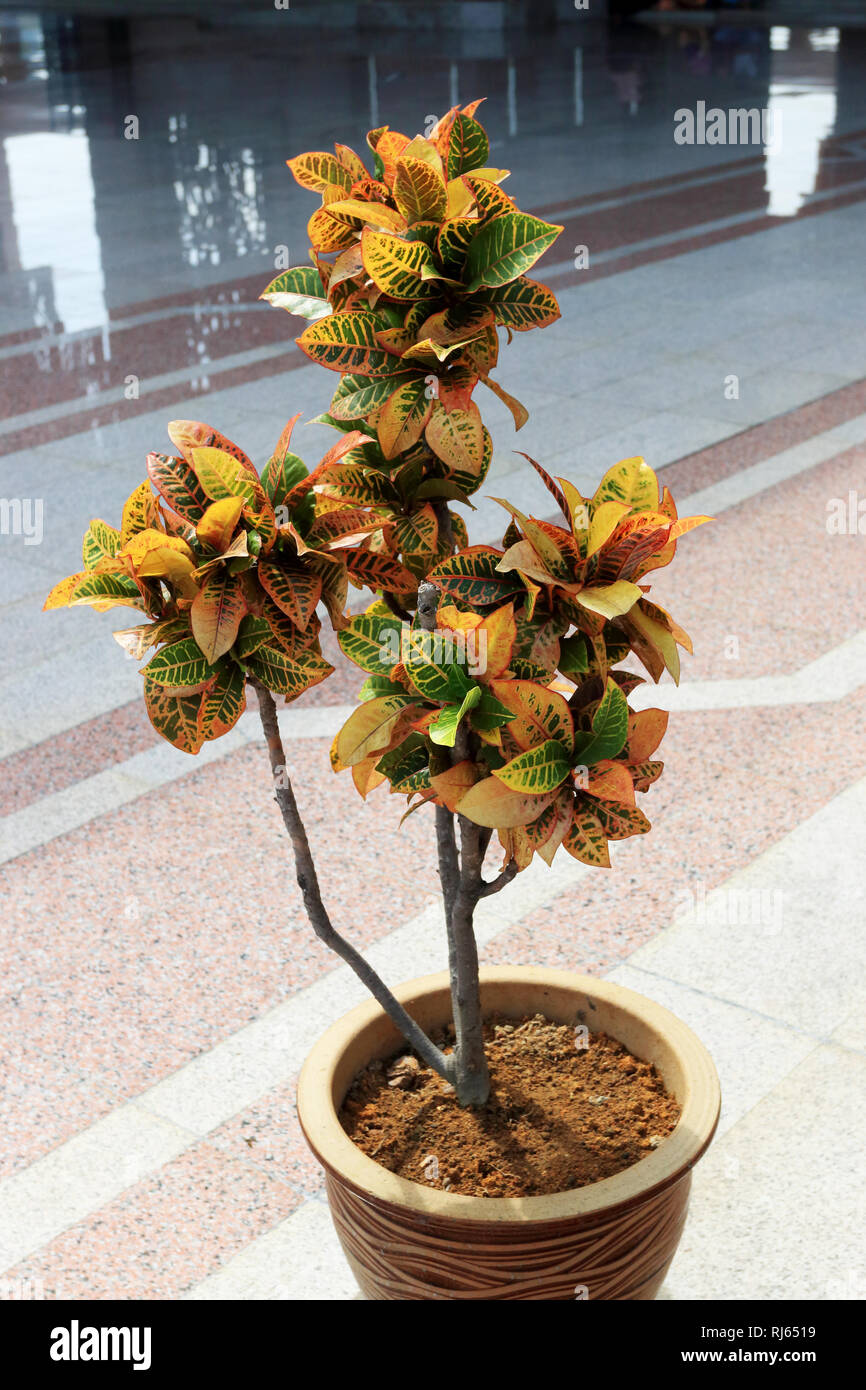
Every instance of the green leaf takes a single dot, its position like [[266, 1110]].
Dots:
[[347, 342], [573, 657], [289, 676], [372, 641], [357, 396], [432, 669], [444, 730], [376, 686], [538, 770], [609, 728], [472, 577], [182, 665], [490, 714], [468, 146], [299, 291], [251, 634], [404, 762], [506, 247], [101, 542]]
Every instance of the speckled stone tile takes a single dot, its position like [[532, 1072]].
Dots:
[[728, 791], [165, 1233]]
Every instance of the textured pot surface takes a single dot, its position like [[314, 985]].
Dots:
[[611, 1240]]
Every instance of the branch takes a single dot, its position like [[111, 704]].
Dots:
[[395, 608], [308, 883], [443, 518], [508, 873]]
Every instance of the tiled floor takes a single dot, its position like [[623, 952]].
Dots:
[[159, 994]]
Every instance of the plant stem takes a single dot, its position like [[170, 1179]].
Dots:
[[462, 886], [308, 882]]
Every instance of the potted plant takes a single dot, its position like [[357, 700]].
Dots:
[[494, 695]]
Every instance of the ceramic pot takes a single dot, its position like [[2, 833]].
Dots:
[[610, 1240]]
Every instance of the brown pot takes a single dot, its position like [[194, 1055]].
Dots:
[[611, 1240]]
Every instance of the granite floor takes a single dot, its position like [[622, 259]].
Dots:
[[160, 987]]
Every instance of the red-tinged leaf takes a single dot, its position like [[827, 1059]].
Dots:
[[419, 190], [350, 161], [652, 642], [539, 713], [688, 523], [519, 412], [452, 785], [646, 729], [328, 234], [339, 529], [644, 774], [216, 615], [319, 170], [495, 639], [175, 480], [611, 781], [137, 641], [492, 804], [586, 839], [472, 577], [562, 814], [387, 145], [294, 590], [457, 437], [188, 435], [366, 776], [417, 534], [379, 572], [223, 703], [552, 486], [619, 822], [403, 417]]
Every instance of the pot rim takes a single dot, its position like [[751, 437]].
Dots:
[[667, 1164]]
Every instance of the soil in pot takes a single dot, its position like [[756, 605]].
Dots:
[[566, 1108]]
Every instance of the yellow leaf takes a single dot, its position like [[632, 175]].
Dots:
[[490, 803]]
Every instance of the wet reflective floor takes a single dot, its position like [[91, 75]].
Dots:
[[144, 198]]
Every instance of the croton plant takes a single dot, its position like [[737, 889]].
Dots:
[[494, 688]]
